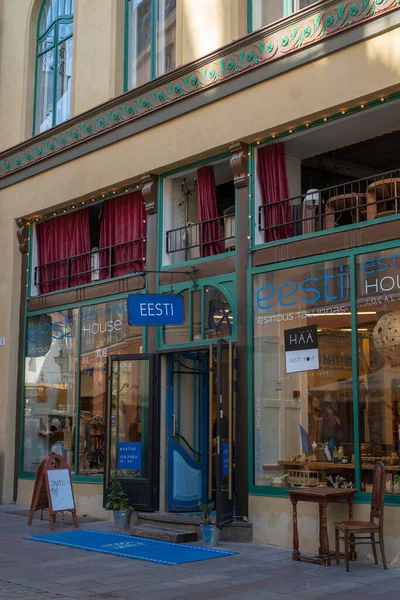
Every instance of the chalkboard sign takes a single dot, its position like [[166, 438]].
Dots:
[[53, 489], [60, 489]]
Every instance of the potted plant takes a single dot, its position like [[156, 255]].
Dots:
[[208, 526], [118, 502]]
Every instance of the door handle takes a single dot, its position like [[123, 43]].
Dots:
[[173, 434]]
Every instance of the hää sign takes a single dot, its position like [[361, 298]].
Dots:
[[301, 349], [53, 489]]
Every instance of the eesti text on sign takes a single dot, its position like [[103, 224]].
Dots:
[[155, 309]]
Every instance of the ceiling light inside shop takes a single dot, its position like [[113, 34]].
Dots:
[[342, 314]]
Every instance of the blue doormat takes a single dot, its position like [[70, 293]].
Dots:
[[166, 553]]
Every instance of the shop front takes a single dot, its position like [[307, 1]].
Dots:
[[165, 420], [325, 412]]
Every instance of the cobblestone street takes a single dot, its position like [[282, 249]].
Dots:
[[30, 570]]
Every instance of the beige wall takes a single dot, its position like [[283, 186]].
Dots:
[[13, 23], [98, 26], [247, 115], [98, 52], [272, 524], [223, 20]]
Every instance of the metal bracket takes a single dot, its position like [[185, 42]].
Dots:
[[191, 274]]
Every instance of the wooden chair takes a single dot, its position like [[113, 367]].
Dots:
[[351, 529]]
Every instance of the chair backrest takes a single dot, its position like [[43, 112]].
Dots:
[[378, 492]]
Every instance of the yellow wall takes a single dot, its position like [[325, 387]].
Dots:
[[246, 115], [223, 20], [88, 498], [272, 524], [98, 52], [97, 27]]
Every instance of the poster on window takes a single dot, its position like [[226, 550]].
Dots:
[[301, 349]]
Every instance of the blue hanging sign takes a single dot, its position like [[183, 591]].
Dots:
[[155, 309], [225, 459], [130, 455]]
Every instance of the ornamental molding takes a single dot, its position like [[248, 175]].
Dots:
[[265, 45], [22, 235], [149, 193], [239, 164]]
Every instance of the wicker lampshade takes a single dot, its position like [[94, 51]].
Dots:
[[386, 336]]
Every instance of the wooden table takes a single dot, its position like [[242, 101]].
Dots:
[[322, 495]]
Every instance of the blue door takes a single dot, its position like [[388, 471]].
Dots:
[[187, 419]]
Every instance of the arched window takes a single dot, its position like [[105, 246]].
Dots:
[[53, 64], [150, 43]]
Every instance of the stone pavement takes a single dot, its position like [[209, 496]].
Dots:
[[33, 571]]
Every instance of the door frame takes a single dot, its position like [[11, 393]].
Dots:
[[146, 490], [172, 444], [210, 348]]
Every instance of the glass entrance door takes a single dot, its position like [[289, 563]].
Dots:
[[223, 373], [132, 428], [187, 424]]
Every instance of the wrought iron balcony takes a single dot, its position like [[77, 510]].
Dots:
[[196, 240], [99, 264], [325, 209]]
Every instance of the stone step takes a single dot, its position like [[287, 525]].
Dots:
[[237, 531], [164, 534]]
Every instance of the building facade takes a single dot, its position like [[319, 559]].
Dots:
[[240, 154]]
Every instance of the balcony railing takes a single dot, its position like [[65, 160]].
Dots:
[[196, 240], [320, 210], [99, 264]]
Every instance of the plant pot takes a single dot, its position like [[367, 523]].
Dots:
[[210, 535], [122, 519]]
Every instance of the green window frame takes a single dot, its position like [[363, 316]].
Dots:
[[79, 309], [197, 332], [289, 7], [54, 48], [150, 40], [351, 254]]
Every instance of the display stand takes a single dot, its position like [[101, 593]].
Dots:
[[53, 489]]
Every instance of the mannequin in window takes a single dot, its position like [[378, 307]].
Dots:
[[332, 430], [314, 419]]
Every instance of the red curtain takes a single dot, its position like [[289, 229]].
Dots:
[[272, 176], [61, 239], [123, 226], [209, 233]]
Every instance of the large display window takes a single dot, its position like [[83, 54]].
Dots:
[[313, 373], [104, 332], [378, 332], [50, 387], [303, 401], [64, 410]]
